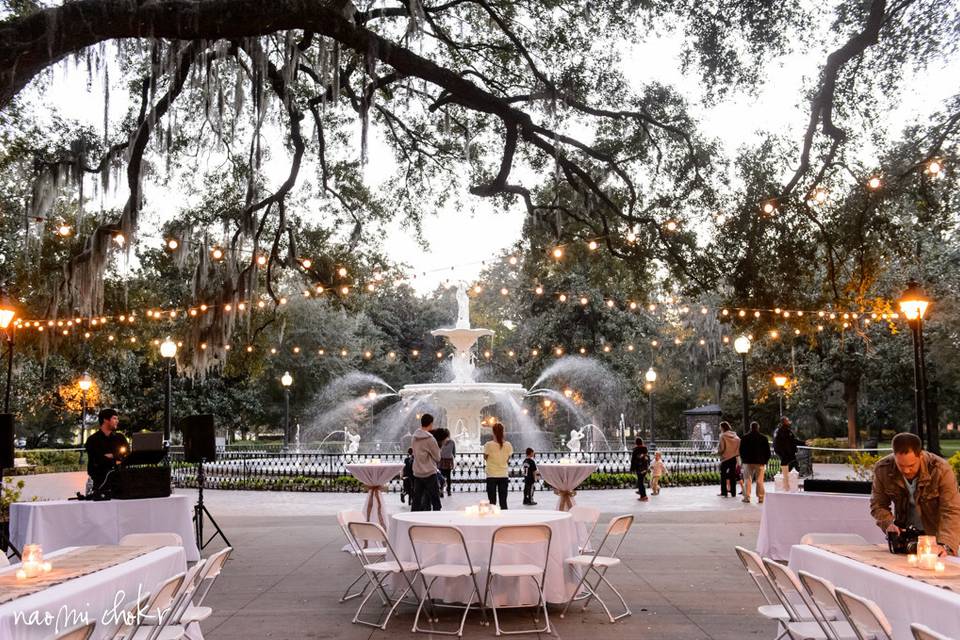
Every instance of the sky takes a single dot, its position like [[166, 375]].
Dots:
[[468, 232]]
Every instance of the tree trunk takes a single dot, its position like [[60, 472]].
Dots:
[[851, 393]]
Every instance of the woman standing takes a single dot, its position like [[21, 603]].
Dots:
[[448, 449], [640, 464], [497, 454]]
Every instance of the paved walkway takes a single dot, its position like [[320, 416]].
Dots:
[[680, 573]]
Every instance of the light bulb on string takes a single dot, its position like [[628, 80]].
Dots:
[[558, 253], [874, 183], [592, 245]]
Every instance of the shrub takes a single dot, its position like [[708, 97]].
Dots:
[[829, 457], [862, 464], [955, 463]]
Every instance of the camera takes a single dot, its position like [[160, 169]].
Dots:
[[905, 541]]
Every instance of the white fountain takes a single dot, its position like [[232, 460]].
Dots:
[[463, 399]]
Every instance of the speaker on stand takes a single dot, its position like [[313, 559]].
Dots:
[[199, 446], [6, 462]]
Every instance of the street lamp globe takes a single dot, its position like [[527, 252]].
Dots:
[[742, 345], [286, 379], [780, 381], [168, 348], [85, 382], [650, 375], [914, 302], [6, 316]]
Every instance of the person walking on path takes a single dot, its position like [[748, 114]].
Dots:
[[426, 455], [657, 470], [497, 454], [640, 464], [754, 455], [785, 444], [728, 451], [447, 453], [529, 477]]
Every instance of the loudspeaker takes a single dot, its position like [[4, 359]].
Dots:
[[6, 441], [838, 486], [199, 444]]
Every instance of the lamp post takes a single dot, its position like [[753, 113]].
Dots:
[[781, 381], [913, 304], [168, 349], [742, 346], [84, 383], [7, 314], [651, 377], [286, 380]]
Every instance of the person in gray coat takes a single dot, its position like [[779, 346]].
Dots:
[[426, 456]]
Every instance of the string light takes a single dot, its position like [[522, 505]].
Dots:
[[558, 253], [874, 183], [172, 244], [592, 245]]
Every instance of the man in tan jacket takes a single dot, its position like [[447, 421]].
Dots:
[[923, 490], [728, 450]]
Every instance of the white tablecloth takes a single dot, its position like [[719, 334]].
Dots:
[[787, 517], [56, 524], [903, 600], [565, 478], [478, 534], [95, 596], [375, 475]]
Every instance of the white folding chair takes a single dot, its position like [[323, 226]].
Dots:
[[181, 599], [826, 609], [129, 618], [864, 616], [794, 598], [535, 534], [151, 540], [588, 517], [192, 609], [833, 538], [343, 518], [154, 623], [772, 610], [450, 536], [923, 632], [79, 632], [600, 564], [364, 533]]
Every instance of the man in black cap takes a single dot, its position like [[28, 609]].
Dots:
[[105, 448]]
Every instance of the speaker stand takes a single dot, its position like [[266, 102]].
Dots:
[[200, 512]]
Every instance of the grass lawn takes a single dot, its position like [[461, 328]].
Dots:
[[949, 447]]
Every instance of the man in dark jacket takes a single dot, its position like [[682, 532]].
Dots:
[[785, 444], [754, 454]]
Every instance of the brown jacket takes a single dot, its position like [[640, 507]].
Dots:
[[937, 497], [729, 446]]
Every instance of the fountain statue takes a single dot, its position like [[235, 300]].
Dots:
[[576, 435], [352, 443]]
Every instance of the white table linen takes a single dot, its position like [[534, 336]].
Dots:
[[374, 476], [478, 534], [565, 478], [56, 524], [903, 600], [787, 517], [96, 596]]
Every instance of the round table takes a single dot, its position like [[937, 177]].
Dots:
[[373, 476], [478, 535], [565, 478]]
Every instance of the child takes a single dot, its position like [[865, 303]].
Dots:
[[657, 470], [406, 477], [529, 477]]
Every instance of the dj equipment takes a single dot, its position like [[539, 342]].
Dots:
[[6, 441], [199, 446], [142, 481], [838, 486], [199, 443], [905, 541], [145, 448]]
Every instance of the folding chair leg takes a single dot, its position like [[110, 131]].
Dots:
[[626, 609], [541, 602], [350, 596], [575, 592]]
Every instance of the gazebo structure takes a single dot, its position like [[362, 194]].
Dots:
[[703, 424]]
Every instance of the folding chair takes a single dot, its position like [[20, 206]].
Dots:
[[364, 533], [922, 632], [793, 597], [192, 609], [826, 608], [833, 538], [151, 539], [79, 632], [158, 609], [618, 527], [864, 616], [520, 534], [343, 518], [587, 516], [181, 599], [773, 610], [130, 618], [421, 535]]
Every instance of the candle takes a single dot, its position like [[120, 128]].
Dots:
[[928, 561], [21, 574], [912, 559], [375, 461], [32, 563], [939, 567], [926, 544]]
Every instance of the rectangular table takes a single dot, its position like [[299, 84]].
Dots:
[[787, 517], [94, 596], [903, 600], [56, 524]]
